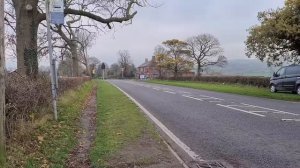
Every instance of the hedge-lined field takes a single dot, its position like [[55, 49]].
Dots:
[[243, 80], [231, 88]]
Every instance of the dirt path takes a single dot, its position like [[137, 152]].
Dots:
[[80, 156]]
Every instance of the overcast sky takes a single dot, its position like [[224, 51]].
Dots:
[[227, 20]]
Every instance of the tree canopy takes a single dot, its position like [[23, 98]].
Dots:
[[174, 57], [276, 39], [26, 18], [205, 50]]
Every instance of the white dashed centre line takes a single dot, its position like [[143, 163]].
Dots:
[[244, 111], [272, 110], [215, 101], [195, 98], [169, 92]]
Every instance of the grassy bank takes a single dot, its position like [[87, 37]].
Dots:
[[231, 88], [119, 122], [47, 143]]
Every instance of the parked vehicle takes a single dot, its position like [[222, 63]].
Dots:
[[286, 79]]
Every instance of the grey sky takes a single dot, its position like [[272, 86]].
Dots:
[[228, 20]]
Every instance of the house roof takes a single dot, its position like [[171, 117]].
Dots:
[[148, 64]]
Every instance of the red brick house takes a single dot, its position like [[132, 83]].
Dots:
[[149, 70]]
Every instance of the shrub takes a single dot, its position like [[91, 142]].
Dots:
[[27, 97]]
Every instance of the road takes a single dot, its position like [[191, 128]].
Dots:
[[240, 130]]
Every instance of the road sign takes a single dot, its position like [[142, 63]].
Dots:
[[57, 14]]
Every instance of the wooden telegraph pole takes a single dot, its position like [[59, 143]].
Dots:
[[2, 87]]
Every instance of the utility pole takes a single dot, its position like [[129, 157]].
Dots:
[[103, 70], [52, 62], [2, 88]]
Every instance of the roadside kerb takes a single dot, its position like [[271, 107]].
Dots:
[[180, 150]]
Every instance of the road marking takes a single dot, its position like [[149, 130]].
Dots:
[[276, 111], [215, 101], [195, 98], [185, 92], [170, 134], [297, 120], [259, 111], [235, 105], [244, 111], [156, 89], [209, 97], [169, 92]]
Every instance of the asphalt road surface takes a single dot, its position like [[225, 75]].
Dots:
[[240, 130]]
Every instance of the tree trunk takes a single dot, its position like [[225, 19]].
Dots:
[[199, 69], [176, 71], [27, 23], [2, 88], [75, 61]]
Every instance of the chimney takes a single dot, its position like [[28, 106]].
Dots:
[[153, 58], [146, 60]]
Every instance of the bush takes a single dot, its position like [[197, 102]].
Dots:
[[243, 80], [27, 97]]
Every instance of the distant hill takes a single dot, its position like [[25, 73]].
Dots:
[[243, 67]]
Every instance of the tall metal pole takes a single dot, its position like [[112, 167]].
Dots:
[[52, 61], [103, 72], [2, 88]]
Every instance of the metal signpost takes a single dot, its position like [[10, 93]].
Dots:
[[122, 69], [103, 70], [55, 15]]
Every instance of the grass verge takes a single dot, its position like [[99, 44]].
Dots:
[[119, 122], [231, 88], [49, 143]]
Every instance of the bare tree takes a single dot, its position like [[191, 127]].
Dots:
[[92, 64], [124, 61], [85, 39], [114, 70], [206, 50], [64, 67], [30, 13], [2, 87]]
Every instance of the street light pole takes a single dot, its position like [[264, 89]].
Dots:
[[52, 61]]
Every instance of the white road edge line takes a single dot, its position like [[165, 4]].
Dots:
[[192, 97], [170, 134], [283, 112], [240, 110], [176, 155], [169, 92]]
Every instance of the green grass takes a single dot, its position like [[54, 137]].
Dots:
[[50, 143], [119, 122], [231, 88]]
